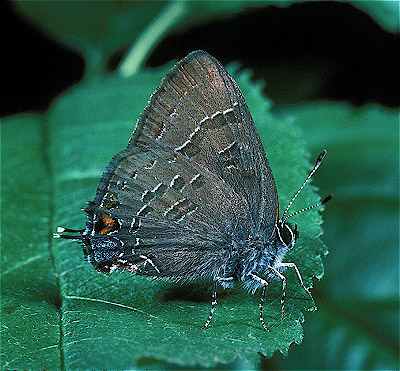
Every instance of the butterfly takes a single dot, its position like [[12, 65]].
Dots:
[[193, 194]]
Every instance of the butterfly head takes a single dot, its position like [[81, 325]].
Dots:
[[286, 235]]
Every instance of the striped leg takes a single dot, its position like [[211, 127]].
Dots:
[[283, 279], [213, 304], [265, 284], [261, 308], [292, 265]]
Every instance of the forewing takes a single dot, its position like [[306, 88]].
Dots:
[[199, 111]]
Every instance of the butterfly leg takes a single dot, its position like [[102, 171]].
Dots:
[[213, 304], [264, 291], [292, 265], [225, 282], [283, 279]]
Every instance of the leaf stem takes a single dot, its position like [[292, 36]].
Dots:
[[137, 54], [95, 62]]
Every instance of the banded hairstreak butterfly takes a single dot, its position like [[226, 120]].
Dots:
[[193, 194]]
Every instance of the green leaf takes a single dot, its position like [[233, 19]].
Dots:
[[356, 325], [386, 13], [115, 321], [99, 29], [106, 25], [30, 295], [132, 318]]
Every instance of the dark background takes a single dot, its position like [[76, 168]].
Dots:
[[353, 57]]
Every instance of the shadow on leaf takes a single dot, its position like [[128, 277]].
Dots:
[[198, 292]]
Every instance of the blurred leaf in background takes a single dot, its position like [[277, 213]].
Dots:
[[46, 176], [357, 324]]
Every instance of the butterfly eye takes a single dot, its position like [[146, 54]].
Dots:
[[285, 234]]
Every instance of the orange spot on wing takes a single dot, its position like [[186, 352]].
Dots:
[[110, 224]]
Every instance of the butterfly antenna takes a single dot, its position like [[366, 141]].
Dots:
[[325, 200]]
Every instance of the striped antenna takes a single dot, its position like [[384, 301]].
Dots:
[[325, 200]]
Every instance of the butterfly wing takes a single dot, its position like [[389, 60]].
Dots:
[[160, 214], [193, 182], [199, 111]]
